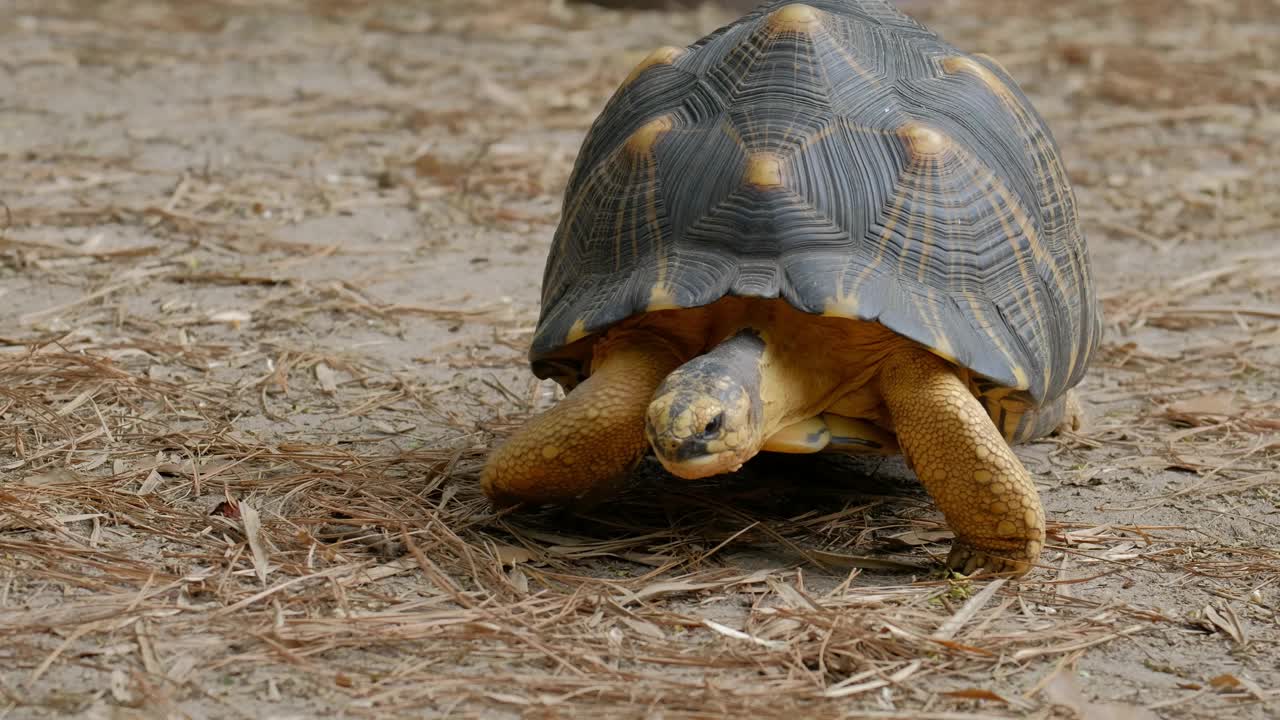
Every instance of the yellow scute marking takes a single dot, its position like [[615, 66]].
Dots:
[[642, 141], [660, 298], [796, 17], [1020, 377], [577, 332], [994, 61], [923, 140], [550, 451], [942, 347], [960, 64], [841, 307], [665, 55], [764, 170]]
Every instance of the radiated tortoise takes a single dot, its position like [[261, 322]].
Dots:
[[819, 228]]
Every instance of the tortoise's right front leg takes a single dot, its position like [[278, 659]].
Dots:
[[964, 462], [592, 436]]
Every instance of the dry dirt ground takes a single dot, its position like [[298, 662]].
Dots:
[[268, 270]]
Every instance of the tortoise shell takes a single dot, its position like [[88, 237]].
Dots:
[[840, 156]]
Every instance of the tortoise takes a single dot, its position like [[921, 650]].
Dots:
[[820, 228]]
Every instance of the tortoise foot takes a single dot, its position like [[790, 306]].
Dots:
[[1073, 417], [967, 559]]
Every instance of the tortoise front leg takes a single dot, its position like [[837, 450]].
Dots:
[[591, 437], [979, 484]]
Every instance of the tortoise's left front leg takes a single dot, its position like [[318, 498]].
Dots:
[[963, 461]]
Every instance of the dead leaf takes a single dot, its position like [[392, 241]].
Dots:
[[395, 567], [327, 378], [952, 625], [862, 562], [739, 635], [436, 169], [918, 536], [389, 429], [644, 627], [659, 589], [519, 580], [509, 698], [1195, 463], [1225, 622], [510, 555], [975, 694], [1226, 681], [789, 595], [1213, 405], [151, 483], [1064, 689], [231, 317], [77, 401], [95, 461], [253, 531], [57, 476]]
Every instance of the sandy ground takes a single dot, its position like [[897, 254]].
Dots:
[[268, 270]]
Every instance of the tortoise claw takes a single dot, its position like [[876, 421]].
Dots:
[[967, 560]]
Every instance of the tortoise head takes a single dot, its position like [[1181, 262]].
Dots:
[[706, 417]]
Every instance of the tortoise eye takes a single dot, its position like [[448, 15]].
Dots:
[[714, 425]]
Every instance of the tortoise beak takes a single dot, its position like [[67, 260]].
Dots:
[[703, 467]]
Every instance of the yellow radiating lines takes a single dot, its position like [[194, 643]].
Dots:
[[856, 66], [992, 325], [941, 343], [1053, 186], [639, 142], [1037, 251], [620, 225], [743, 58], [991, 184], [846, 302], [661, 256], [849, 299], [992, 329]]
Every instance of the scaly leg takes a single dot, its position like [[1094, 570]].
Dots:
[[979, 484], [591, 437]]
